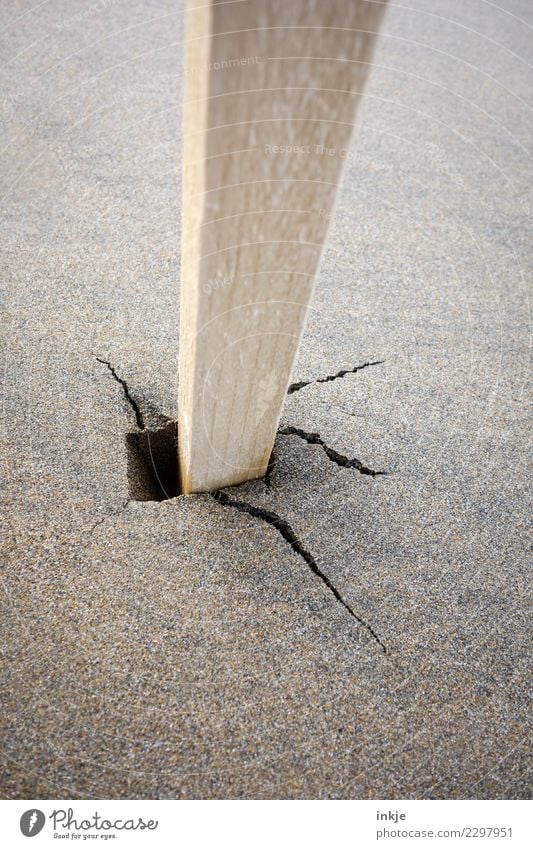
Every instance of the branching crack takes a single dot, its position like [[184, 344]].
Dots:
[[295, 387], [127, 394], [271, 518], [289, 536], [334, 456]]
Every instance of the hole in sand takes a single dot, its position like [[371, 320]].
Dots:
[[153, 463]]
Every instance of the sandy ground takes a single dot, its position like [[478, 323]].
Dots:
[[193, 648]]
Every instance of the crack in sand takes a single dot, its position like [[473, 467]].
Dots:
[[127, 394], [116, 512], [331, 454], [289, 536], [295, 387]]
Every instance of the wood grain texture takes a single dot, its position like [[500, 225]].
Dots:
[[271, 93]]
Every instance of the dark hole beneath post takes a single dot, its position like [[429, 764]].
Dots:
[[153, 463]]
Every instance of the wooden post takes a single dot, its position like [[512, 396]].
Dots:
[[271, 93]]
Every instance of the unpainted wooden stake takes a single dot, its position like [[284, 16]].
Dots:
[[271, 92]]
